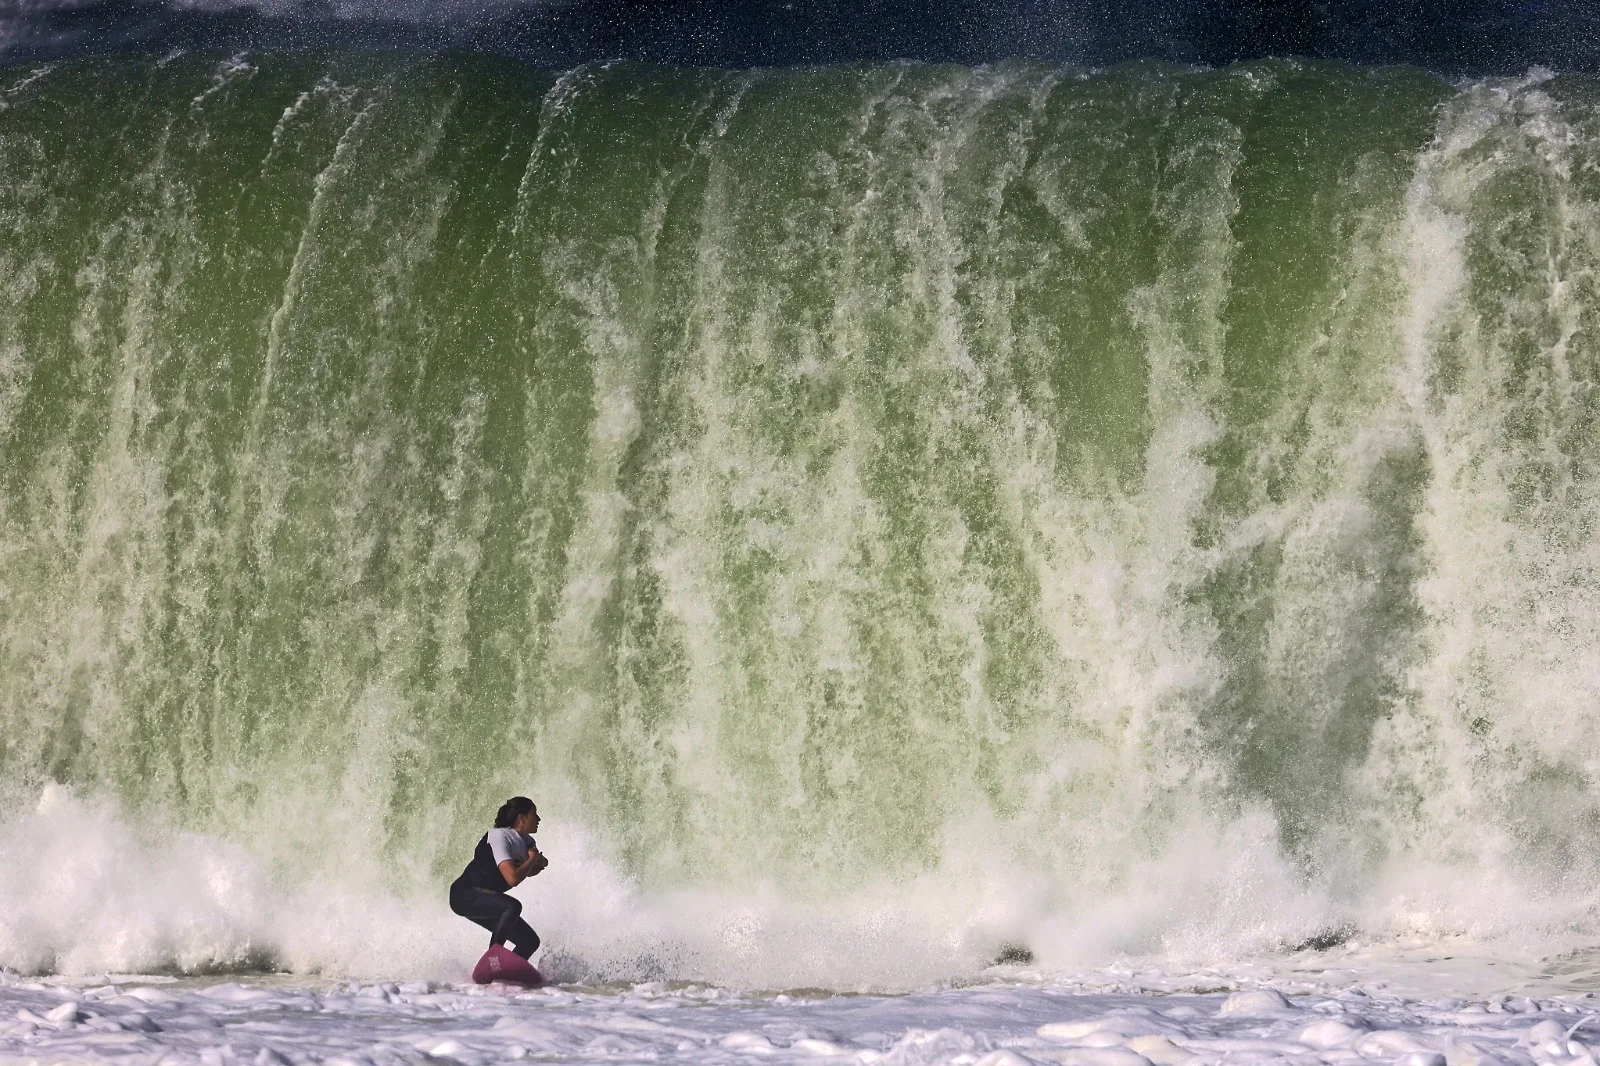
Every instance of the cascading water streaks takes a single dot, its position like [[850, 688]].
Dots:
[[883, 512], [1495, 749]]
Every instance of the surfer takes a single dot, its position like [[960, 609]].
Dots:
[[505, 857]]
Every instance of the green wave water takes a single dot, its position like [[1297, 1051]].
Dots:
[[1149, 509]]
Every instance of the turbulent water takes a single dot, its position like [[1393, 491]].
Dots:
[[884, 514]]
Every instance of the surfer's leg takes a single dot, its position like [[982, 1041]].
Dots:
[[511, 927], [491, 910], [522, 936], [499, 914]]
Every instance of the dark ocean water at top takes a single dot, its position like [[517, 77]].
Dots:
[[1472, 37]]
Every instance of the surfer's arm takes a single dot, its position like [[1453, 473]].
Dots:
[[515, 874]]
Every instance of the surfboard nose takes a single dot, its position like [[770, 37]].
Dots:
[[502, 964]]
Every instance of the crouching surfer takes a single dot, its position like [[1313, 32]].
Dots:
[[505, 856]]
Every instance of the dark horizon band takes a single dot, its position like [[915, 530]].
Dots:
[[1473, 37]]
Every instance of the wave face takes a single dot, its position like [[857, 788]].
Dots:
[[881, 512]]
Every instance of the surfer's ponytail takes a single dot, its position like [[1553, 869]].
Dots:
[[511, 810]]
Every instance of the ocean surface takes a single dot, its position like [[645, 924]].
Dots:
[[951, 550]]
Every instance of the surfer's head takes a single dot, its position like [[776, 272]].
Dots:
[[518, 813]]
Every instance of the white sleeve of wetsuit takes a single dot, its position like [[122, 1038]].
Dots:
[[507, 846]]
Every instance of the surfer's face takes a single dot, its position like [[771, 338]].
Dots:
[[528, 824]]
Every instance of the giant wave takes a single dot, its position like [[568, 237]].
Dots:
[[884, 513]]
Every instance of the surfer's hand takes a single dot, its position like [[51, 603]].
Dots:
[[532, 865]]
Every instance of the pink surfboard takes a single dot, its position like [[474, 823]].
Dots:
[[503, 964]]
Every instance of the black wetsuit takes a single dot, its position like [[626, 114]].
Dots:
[[479, 895]]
